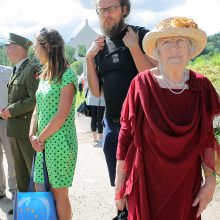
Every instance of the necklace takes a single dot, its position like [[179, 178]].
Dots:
[[167, 81]]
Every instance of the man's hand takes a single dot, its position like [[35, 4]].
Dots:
[[6, 114], [131, 39], [96, 46]]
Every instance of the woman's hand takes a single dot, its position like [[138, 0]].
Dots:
[[205, 195], [119, 182], [121, 204], [36, 144]]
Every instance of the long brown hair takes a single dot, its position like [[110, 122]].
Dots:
[[53, 43]]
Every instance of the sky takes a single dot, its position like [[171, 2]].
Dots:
[[28, 17]]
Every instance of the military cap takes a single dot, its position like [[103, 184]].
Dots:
[[19, 40]]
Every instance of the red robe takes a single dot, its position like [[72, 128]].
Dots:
[[162, 139]]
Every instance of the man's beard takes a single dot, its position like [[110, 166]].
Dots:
[[113, 30]]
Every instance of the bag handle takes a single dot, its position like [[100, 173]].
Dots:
[[31, 187], [87, 91], [46, 177]]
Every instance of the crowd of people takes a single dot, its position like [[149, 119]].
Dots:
[[152, 115]]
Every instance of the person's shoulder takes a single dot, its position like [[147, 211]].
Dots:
[[198, 81], [198, 76], [33, 67], [69, 71], [141, 77], [139, 29]]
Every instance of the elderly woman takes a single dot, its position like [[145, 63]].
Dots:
[[166, 135]]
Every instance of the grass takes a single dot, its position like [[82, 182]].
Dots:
[[210, 67], [79, 99]]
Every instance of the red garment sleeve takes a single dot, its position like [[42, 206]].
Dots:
[[124, 140], [211, 152], [127, 121]]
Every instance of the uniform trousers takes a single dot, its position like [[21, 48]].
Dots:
[[22, 152], [6, 147]]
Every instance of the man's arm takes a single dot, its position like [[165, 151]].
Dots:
[[26, 104], [92, 76], [141, 60]]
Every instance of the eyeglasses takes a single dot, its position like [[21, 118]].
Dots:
[[176, 42], [111, 9]]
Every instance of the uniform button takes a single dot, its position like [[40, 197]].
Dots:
[[25, 116]]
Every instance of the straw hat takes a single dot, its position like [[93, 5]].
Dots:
[[175, 26]]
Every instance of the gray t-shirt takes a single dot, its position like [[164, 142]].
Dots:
[[5, 74]]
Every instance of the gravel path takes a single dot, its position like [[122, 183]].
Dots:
[[91, 195]]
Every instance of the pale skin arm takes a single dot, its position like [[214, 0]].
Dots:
[[119, 181], [33, 124], [93, 81], [205, 195], [57, 121], [33, 130], [141, 60]]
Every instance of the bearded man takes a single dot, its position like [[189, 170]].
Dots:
[[113, 60]]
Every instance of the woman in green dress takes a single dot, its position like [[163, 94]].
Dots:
[[52, 126]]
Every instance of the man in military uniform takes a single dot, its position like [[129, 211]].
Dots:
[[22, 87]]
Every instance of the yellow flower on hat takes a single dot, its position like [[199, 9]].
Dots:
[[175, 26]]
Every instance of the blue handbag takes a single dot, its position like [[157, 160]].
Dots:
[[33, 205]]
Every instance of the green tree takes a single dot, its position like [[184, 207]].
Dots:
[[82, 50], [213, 44], [77, 67], [3, 57], [69, 53]]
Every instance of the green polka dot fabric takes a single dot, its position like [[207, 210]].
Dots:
[[61, 147]]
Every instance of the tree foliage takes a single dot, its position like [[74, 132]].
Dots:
[[3, 57], [77, 67], [82, 50], [69, 53], [213, 45]]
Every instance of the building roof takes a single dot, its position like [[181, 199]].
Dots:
[[85, 36]]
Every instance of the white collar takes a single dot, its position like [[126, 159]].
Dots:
[[19, 63]]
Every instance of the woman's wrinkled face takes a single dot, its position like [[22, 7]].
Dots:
[[40, 52], [174, 50]]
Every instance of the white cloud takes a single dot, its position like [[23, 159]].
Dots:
[[66, 15], [205, 13], [28, 17]]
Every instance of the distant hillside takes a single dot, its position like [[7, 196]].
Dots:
[[208, 63]]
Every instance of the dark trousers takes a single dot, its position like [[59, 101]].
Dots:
[[97, 113], [110, 141], [22, 152]]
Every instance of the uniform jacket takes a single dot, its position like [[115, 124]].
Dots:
[[22, 87]]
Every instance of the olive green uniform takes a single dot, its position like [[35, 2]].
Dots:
[[21, 102]]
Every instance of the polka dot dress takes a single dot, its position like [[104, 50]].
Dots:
[[61, 147]]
